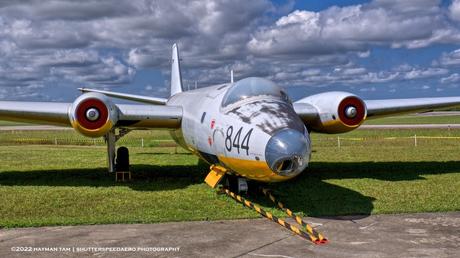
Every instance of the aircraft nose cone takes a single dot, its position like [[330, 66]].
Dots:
[[288, 152]]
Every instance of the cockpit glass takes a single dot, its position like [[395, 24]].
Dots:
[[251, 87]]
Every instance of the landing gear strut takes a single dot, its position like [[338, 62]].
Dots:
[[110, 139], [122, 157]]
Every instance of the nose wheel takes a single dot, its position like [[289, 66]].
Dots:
[[218, 175], [236, 184]]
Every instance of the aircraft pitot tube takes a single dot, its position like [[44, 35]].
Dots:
[[93, 114], [338, 112]]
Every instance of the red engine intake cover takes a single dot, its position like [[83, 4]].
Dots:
[[92, 103], [360, 108]]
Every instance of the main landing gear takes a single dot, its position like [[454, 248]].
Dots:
[[118, 163]]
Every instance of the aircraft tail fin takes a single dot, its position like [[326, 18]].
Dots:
[[176, 77]]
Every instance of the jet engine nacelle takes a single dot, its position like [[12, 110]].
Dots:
[[93, 114], [338, 112]]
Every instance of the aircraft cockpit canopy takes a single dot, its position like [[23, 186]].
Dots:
[[252, 87]]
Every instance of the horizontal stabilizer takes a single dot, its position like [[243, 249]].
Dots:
[[137, 98]]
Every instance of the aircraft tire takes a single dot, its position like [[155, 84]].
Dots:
[[122, 161], [231, 182]]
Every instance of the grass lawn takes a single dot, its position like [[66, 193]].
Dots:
[[10, 123], [371, 173]]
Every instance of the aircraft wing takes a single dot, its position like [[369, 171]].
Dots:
[[385, 107], [149, 116], [36, 112], [129, 116]]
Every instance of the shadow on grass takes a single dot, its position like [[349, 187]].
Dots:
[[159, 152], [387, 171], [308, 193], [145, 177]]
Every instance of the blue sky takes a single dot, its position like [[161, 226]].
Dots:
[[375, 49]]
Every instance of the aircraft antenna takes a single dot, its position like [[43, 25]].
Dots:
[[231, 76]]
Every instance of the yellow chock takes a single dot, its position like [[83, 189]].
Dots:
[[215, 175]]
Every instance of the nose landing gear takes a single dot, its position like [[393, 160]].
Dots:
[[219, 174], [236, 184]]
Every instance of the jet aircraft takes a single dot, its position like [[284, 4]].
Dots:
[[249, 129]]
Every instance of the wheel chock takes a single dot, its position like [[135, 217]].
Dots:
[[216, 174]]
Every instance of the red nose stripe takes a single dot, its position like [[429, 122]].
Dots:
[[92, 103], [358, 104]]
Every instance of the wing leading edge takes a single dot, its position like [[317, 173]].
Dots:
[[129, 116], [385, 107]]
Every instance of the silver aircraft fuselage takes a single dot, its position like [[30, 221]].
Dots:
[[249, 127]]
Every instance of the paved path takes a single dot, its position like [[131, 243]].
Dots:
[[409, 235]]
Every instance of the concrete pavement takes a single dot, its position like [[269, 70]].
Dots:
[[407, 235]]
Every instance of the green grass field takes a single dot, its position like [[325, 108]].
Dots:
[[413, 119], [371, 173], [10, 123]]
